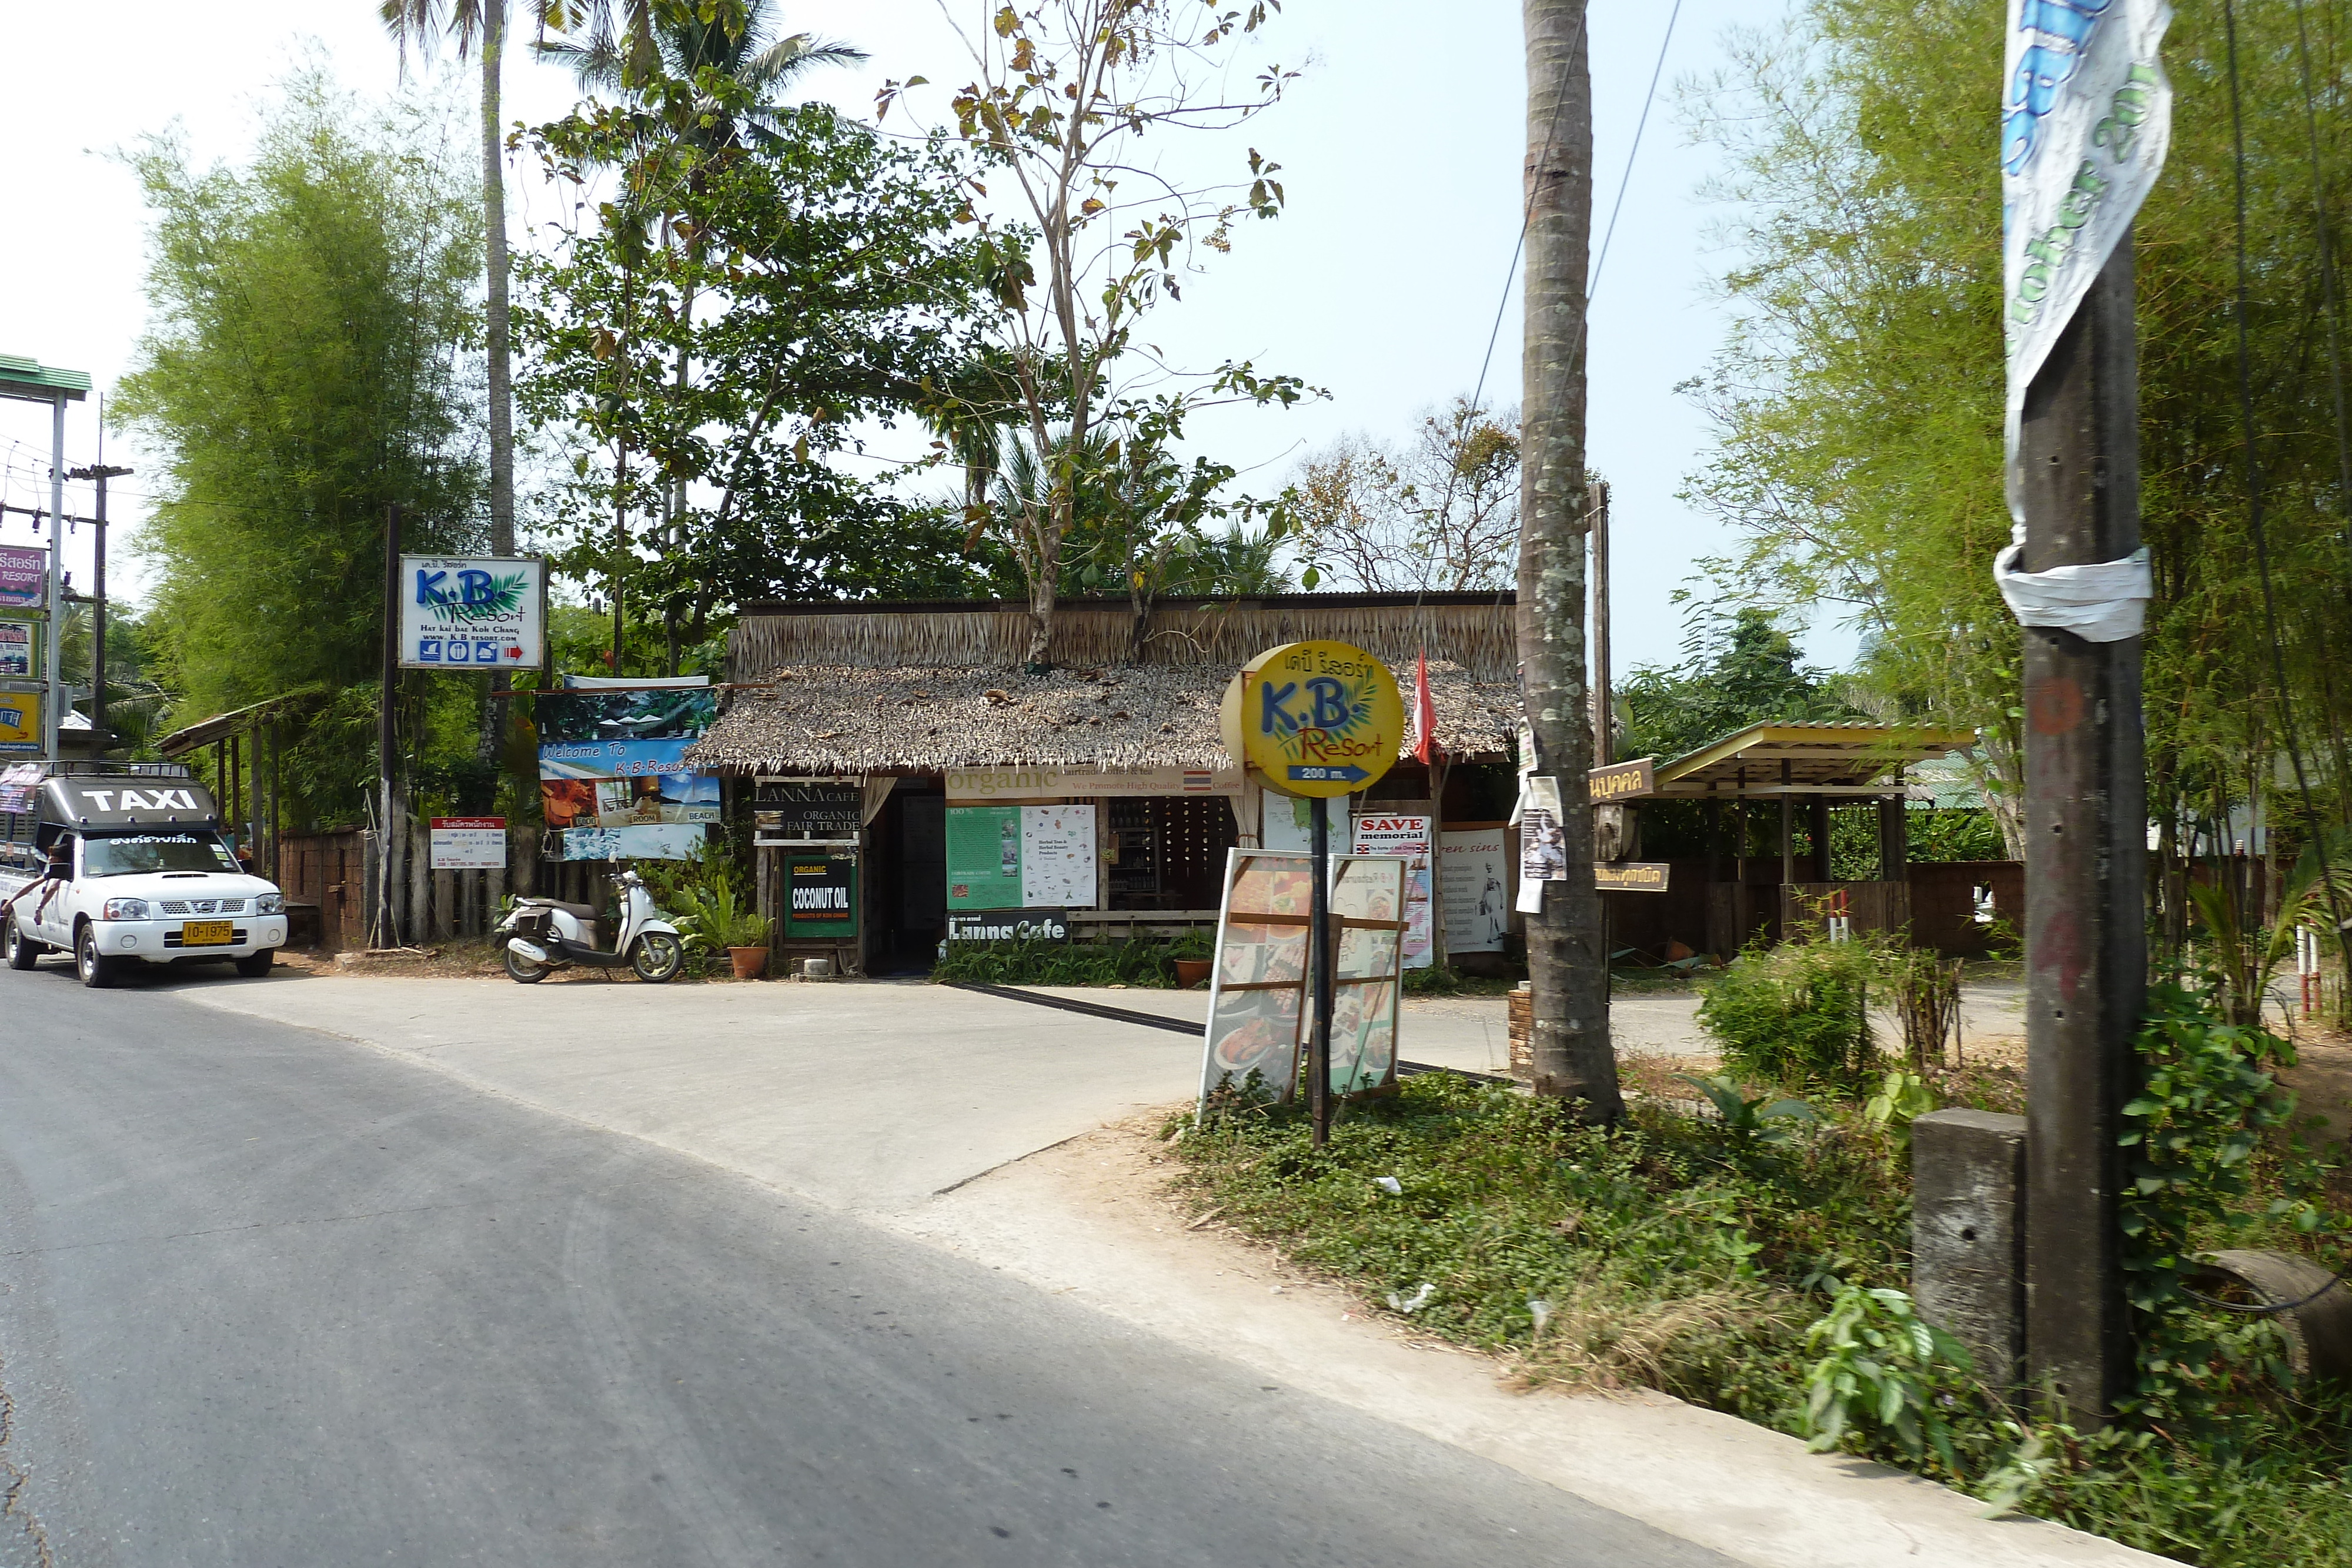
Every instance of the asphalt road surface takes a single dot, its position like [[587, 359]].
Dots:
[[272, 1299]]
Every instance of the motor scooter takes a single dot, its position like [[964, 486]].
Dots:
[[540, 935]]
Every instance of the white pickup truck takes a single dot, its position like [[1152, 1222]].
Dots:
[[121, 864]]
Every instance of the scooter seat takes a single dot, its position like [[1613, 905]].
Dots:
[[577, 911]]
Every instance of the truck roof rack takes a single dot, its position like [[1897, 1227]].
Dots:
[[47, 769]]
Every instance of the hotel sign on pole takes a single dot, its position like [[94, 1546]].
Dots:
[[465, 612]]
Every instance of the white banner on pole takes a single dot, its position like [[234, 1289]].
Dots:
[[2087, 119]]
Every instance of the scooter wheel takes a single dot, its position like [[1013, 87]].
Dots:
[[658, 958], [522, 971]]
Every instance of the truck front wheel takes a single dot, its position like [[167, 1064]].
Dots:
[[254, 966], [20, 950], [95, 969]]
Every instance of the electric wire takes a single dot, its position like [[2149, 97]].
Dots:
[[2259, 539]]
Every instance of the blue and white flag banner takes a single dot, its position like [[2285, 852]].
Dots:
[[2086, 122]]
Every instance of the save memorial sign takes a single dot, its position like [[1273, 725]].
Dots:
[[1020, 857], [473, 612]]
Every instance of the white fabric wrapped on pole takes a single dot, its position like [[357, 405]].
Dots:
[[2099, 601]]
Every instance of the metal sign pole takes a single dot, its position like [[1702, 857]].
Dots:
[[386, 933], [1320, 971], [52, 742]]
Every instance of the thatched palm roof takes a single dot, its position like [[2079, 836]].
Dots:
[[850, 719]]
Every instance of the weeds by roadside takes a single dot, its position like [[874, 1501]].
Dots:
[[1749, 1258]]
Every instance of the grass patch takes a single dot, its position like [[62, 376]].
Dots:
[[1693, 1253]]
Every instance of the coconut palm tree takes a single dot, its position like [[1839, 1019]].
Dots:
[[745, 46]]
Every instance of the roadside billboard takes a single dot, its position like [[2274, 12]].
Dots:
[[20, 724], [473, 612], [614, 782], [24, 578], [17, 641]]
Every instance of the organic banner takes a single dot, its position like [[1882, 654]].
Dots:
[[468, 614], [1408, 837], [1020, 857], [24, 578], [2087, 119], [1474, 870]]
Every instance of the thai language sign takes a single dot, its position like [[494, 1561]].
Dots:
[[24, 578], [1020, 857], [465, 612], [470, 843]]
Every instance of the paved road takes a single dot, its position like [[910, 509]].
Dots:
[[270, 1298]]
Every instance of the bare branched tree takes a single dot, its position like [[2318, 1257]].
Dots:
[[1440, 513]]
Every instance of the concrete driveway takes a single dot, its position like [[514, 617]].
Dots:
[[868, 1096]]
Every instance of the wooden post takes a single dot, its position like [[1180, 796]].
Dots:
[[1787, 836], [390, 812], [420, 872], [1893, 846], [2086, 856], [1604, 750], [1819, 828]]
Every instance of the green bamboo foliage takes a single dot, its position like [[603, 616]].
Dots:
[[1857, 403]]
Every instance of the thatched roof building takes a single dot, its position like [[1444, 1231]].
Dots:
[[848, 688]]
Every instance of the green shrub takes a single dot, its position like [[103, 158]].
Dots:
[[1796, 1013], [1036, 962]]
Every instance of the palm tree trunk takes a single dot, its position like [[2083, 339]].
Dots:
[[497, 327], [1566, 963]]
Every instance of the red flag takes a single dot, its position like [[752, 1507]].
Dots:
[[1423, 721]]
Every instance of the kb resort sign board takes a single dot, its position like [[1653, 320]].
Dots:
[[468, 612]]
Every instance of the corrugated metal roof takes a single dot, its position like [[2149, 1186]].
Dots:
[[36, 383], [1766, 758]]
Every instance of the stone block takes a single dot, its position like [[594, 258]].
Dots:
[[1967, 1235]]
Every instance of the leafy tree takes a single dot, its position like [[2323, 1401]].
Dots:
[[1061, 93], [303, 369], [1440, 513], [1858, 401], [715, 384], [743, 46], [1740, 670]]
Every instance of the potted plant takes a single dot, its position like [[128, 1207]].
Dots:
[[720, 920], [1193, 958]]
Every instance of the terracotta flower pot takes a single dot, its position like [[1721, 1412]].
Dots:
[[1191, 972], [750, 962]]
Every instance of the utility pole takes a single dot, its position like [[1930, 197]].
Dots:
[[100, 472], [1604, 716], [380, 917], [1566, 962], [2086, 864], [53, 721]]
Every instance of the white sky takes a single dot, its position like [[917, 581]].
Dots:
[[1401, 149]]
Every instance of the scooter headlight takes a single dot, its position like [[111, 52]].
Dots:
[[127, 909]]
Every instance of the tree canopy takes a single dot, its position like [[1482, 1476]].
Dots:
[[309, 361]]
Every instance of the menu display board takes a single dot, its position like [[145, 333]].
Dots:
[[1020, 857], [1259, 1019]]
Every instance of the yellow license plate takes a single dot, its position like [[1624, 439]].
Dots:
[[206, 933]]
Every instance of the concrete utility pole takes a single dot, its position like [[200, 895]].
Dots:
[[100, 472], [2085, 863], [1566, 960]]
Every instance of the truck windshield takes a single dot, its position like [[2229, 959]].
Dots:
[[156, 851]]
